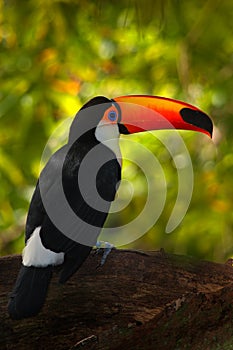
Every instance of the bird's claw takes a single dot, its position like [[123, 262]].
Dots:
[[107, 249]]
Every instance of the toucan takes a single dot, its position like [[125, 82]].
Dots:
[[75, 189]]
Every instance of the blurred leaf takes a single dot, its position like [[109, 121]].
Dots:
[[55, 55]]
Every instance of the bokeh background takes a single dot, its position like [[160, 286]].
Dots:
[[55, 55]]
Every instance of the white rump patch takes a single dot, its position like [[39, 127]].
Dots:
[[35, 254]]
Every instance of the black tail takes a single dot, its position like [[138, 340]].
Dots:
[[29, 293]]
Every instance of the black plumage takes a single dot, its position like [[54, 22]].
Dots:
[[30, 289]]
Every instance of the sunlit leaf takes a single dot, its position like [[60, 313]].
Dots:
[[55, 55]]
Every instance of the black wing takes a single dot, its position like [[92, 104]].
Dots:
[[90, 218], [37, 213]]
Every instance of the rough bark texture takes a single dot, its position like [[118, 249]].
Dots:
[[135, 301]]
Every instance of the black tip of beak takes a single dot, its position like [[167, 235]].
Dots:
[[197, 118]]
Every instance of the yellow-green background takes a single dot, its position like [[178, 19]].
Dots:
[[55, 55]]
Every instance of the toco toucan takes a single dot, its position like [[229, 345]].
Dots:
[[75, 189]]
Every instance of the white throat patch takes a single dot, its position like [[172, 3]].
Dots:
[[108, 135]]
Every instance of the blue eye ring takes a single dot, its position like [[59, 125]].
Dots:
[[112, 115]]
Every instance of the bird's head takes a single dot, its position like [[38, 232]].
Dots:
[[106, 118]]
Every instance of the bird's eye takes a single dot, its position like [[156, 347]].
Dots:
[[112, 115]]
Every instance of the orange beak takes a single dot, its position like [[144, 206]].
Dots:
[[144, 113]]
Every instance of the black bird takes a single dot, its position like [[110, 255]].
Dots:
[[75, 189]]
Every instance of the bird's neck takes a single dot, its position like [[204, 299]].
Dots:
[[109, 135]]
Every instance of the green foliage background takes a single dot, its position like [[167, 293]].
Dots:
[[55, 55]]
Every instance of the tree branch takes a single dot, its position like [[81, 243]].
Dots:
[[148, 300]]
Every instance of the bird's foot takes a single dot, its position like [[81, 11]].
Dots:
[[107, 249]]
